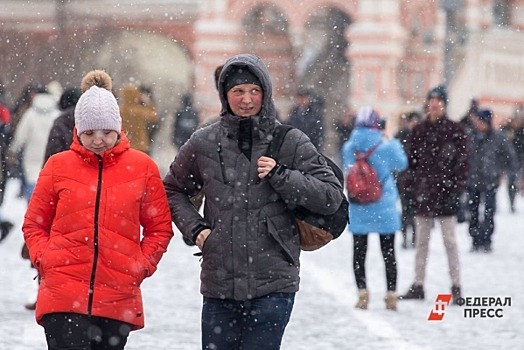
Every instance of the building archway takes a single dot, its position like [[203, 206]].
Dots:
[[150, 59], [266, 34], [320, 62], [153, 60]]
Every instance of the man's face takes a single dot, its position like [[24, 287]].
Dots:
[[436, 108], [245, 100], [303, 101], [479, 125]]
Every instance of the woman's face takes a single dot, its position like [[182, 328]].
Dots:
[[245, 100], [99, 141]]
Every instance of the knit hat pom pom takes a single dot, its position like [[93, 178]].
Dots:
[[98, 78], [97, 108]]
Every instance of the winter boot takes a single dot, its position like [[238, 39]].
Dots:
[[5, 229], [363, 299], [404, 238], [391, 300], [414, 292], [30, 306], [455, 294]]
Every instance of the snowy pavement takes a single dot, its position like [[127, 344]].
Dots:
[[324, 316]]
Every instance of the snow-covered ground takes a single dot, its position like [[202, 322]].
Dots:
[[324, 316]]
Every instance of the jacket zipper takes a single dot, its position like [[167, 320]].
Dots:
[[95, 240]]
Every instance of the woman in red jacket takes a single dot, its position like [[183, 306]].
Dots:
[[96, 226]]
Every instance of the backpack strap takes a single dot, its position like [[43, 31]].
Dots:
[[278, 138], [367, 154], [370, 151], [276, 143]]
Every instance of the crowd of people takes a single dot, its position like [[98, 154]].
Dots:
[[453, 174], [99, 215]]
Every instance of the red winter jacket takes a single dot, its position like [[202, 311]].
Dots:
[[83, 230]]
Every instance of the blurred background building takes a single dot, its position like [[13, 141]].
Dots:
[[387, 53]]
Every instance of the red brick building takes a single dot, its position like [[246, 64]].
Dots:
[[386, 53]]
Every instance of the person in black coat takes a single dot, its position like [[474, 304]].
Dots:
[[61, 134], [186, 121], [515, 133], [490, 154], [5, 121], [246, 232], [438, 160], [308, 115], [407, 196]]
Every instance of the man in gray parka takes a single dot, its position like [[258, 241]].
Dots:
[[249, 243]]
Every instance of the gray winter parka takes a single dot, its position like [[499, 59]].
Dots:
[[253, 249], [490, 154]]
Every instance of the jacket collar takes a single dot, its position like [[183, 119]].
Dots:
[[261, 126], [108, 157]]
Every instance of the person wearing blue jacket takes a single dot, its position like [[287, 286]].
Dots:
[[383, 215]]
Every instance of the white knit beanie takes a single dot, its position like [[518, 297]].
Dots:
[[97, 109]]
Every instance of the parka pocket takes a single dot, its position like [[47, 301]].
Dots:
[[207, 243], [145, 269], [40, 260], [285, 239]]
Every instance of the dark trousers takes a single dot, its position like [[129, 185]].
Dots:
[[256, 324], [481, 229], [387, 246], [70, 331], [407, 201], [513, 186]]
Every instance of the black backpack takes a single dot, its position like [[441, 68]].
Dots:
[[315, 229]]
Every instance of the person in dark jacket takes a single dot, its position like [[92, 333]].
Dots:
[[515, 134], [308, 116], [490, 154], [249, 243], [186, 121], [407, 197], [438, 160], [463, 213], [61, 134], [5, 123]]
